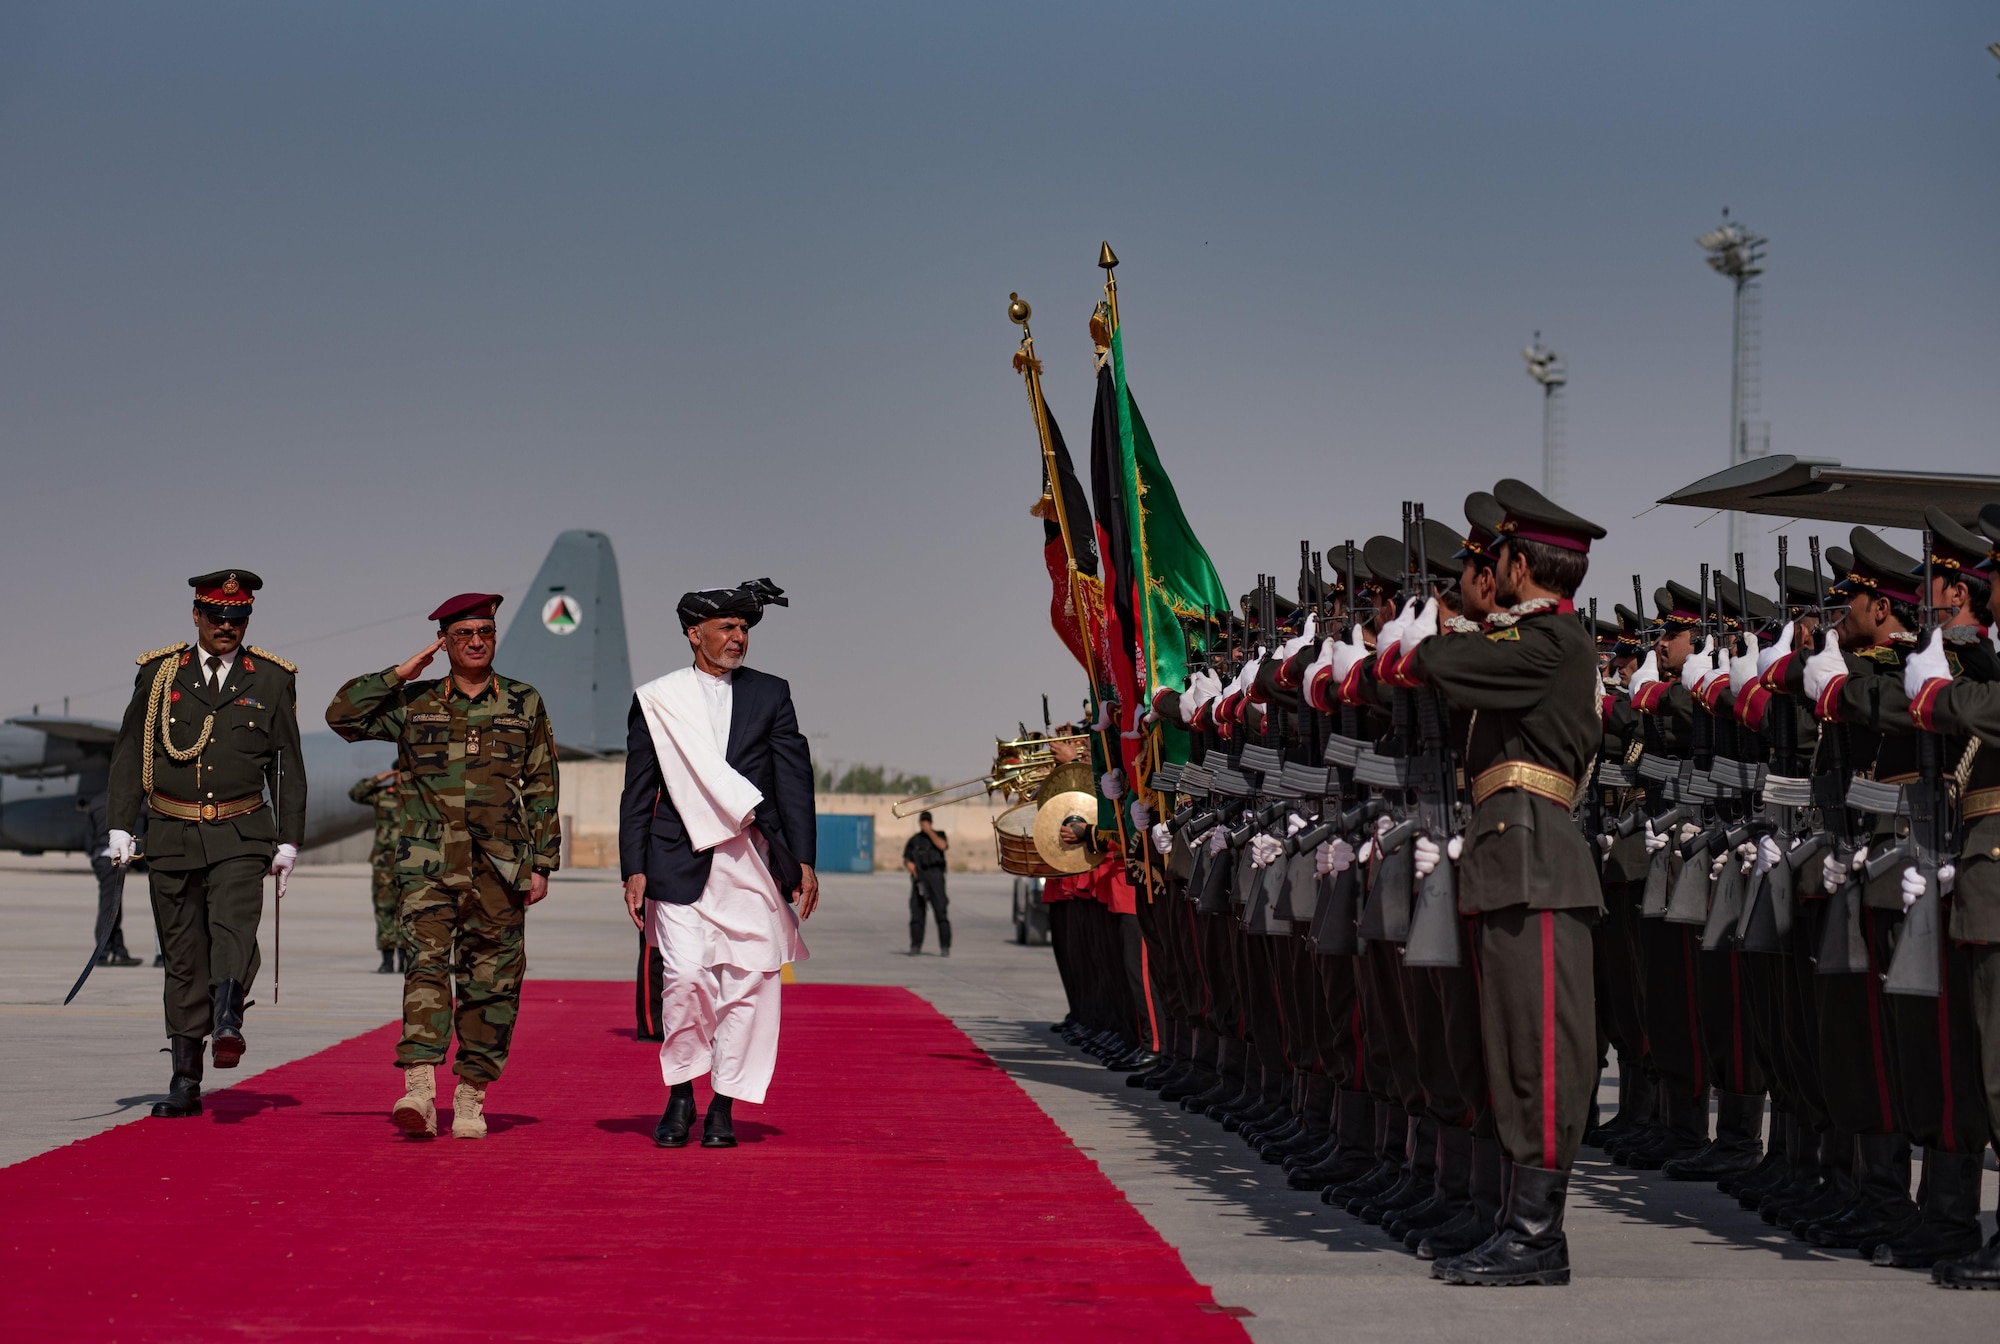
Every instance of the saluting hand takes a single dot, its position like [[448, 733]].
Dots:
[[412, 666]]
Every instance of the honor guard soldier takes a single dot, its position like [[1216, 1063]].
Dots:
[[1528, 878], [377, 793], [479, 838], [211, 731]]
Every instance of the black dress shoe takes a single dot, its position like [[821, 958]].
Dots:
[[944, 951], [675, 1121], [717, 1128], [226, 1043], [117, 956], [388, 966], [184, 1092], [159, 958]]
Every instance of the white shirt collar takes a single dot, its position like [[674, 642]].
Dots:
[[226, 663]]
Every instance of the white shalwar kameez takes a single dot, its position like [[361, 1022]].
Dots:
[[722, 954]]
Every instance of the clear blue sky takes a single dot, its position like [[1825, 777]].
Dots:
[[376, 298]]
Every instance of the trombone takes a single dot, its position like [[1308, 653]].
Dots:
[[1019, 766]]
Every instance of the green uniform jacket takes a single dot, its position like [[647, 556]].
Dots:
[[1968, 710], [482, 770], [255, 722], [1533, 686], [1627, 860], [379, 795]]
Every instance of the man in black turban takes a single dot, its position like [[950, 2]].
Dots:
[[746, 600]]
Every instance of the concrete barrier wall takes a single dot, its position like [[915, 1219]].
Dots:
[[589, 810]]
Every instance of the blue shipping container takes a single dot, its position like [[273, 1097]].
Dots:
[[846, 843]]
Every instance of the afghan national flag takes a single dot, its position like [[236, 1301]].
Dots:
[[1172, 576], [1088, 597], [1118, 661]]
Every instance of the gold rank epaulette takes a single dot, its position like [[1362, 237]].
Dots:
[[151, 654], [272, 657]]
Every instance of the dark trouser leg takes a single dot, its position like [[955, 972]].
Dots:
[[110, 931], [1621, 984], [919, 904], [1388, 1027], [648, 987], [1673, 1029], [430, 929], [1061, 944], [208, 920], [1938, 1075], [1854, 1043], [1436, 1079], [1458, 995], [1143, 1013], [1539, 1023], [1340, 1016], [1728, 1032]]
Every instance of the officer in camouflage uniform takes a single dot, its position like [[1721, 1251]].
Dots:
[[479, 838], [210, 729], [378, 793]]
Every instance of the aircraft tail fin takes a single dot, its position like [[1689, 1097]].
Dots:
[[568, 642]]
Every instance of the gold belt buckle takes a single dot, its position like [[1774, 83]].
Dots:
[[208, 811]]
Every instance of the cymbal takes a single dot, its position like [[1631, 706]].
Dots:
[[1051, 817], [1071, 778]]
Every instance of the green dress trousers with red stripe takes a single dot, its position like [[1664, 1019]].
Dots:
[[1538, 1017]]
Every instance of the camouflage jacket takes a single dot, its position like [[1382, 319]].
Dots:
[[480, 773], [380, 796], [243, 729]]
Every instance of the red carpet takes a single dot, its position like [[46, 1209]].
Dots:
[[897, 1186]]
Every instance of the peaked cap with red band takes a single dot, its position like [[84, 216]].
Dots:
[[230, 588], [1881, 569], [1533, 516], [467, 607], [1483, 516], [1955, 549]]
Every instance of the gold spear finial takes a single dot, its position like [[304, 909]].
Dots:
[[1018, 311], [1106, 258]]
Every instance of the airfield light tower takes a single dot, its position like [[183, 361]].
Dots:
[[1546, 367], [1735, 252]]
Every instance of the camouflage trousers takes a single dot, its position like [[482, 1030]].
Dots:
[[388, 894], [464, 927]]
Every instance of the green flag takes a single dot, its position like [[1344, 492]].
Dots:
[[1172, 573]]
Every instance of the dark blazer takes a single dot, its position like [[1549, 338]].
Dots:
[[766, 748]]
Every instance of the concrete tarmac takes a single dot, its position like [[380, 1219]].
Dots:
[[1654, 1260]]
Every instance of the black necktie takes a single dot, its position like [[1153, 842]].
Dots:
[[214, 673]]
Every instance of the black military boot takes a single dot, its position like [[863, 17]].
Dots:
[[1881, 1209], [388, 966], [1315, 1126], [1770, 1169], [226, 1040], [1249, 1096], [677, 1119], [1634, 1100], [1479, 1218], [1419, 1176], [718, 1127], [1228, 1077], [1802, 1176], [1980, 1270], [1831, 1193], [1737, 1146], [1530, 1246], [1391, 1128], [1950, 1226], [1685, 1134], [1449, 1194], [1352, 1152], [184, 1092]]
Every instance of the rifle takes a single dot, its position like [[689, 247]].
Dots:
[[1767, 917], [1842, 949], [1914, 967], [1433, 937], [1689, 902]]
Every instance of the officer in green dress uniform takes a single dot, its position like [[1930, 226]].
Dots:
[[210, 743], [1527, 875]]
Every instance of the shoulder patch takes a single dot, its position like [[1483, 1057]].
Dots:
[[1883, 654], [272, 657], [1498, 636], [162, 652]]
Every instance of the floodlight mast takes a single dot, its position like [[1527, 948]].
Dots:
[[1546, 367], [1735, 252]]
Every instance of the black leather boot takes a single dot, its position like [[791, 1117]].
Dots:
[[1736, 1148], [1770, 1169], [1950, 1226], [1882, 1209], [1530, 1246], [1480, 1217], [388, 966], [1228, 1078], [1391, 1128], [1685, 1133], [226, 1039], [1635, 1107], [677, 1119], [718, 1127], [1352, 1152], [1449, 1194], [1419, 1178], [1980, 1270], [1832, 1192], [184, 1092]]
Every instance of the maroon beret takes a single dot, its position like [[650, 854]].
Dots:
[[467, 606]]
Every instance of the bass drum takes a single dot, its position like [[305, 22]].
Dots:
[[1014, 837]]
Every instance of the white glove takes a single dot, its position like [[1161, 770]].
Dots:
[[1392, 633], [1768, 853], [1833, 873], [1860, 859], [1780, 646], [1947, 878], [1427, 854], [1913, 886], [1646, 673], [1823, 667], [1142, 816], [1422, 626], [1218, 840], [1112, 784], [1715, 868], [122, 849], [1605, 842], [1743, 670], [1294, 824], [1699, 664], [1347, 656], [1383, 825], [1689, 831], [1265, 850], [1105, 711], [282, 863], [1303, 638], [1203, 687], [1926, 664], [1321, 663], [1333, 856], [1746, 856], [1655, 842], [1163, 839]]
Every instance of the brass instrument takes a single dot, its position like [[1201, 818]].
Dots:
[[1020, 765]]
